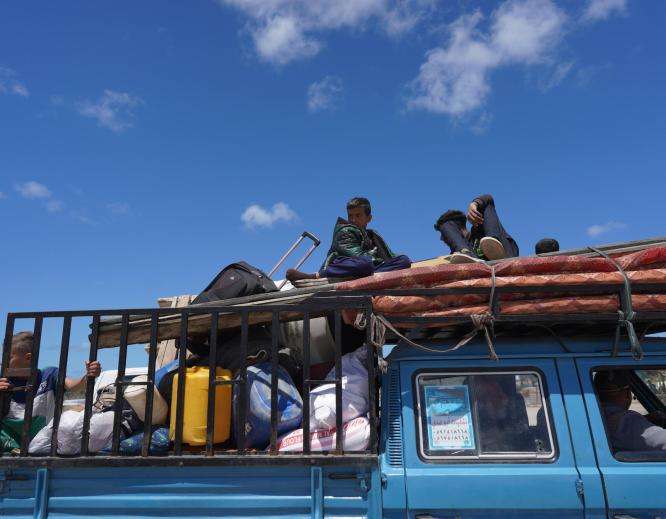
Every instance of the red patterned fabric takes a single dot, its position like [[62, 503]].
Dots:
[[645, 266]]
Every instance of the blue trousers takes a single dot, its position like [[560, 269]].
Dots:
[[452, 234], [361, 267]]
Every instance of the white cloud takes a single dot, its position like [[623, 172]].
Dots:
[[2, 195], [82, 217], [257, 216], [288, 30], [119, 208], [404, 15], [454, 79], [9, 84], [585, 75], [481, 124], [57, 100], [597, 10], [282, 40], [53, 206], [558, 75], [597, 230], [324, 94], [33, 190], [20, 90], [113, 110]]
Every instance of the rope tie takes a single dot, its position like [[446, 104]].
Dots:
[[481, 322], [626, 315], [377, 329]]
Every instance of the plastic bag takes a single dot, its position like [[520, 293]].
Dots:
[[258, 413], [70, 432], [355, 437], [12, 431], [354, 393], [159, 443]]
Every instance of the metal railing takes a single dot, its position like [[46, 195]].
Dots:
[[305, 312]]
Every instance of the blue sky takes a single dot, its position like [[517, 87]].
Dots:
[[134, 136]]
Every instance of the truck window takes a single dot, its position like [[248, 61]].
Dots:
[[632, 404], [483, 416]]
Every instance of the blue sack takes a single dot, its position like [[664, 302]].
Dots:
[[258, 410], [159, 443]]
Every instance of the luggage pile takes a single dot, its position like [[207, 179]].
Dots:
[[257, 426], [524, 286]]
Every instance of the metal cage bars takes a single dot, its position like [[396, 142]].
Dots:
[[240, 380]]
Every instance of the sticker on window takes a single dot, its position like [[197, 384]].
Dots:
[[449, 417]]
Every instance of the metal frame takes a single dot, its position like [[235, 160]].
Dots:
[[178, 455]]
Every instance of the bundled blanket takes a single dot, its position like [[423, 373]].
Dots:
[[646, 267]]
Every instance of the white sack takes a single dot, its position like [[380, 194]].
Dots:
[[70, 432], [355, 437], [354, 393]]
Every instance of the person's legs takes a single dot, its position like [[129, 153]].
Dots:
[[493, 228], [397, 263], [348, 268], [452, 235]]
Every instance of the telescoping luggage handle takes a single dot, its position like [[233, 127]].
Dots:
[[315, 243]]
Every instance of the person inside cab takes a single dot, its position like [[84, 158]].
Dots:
[[627, 430], [486, 240], [356, 251]]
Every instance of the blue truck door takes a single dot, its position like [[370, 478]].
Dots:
[[508, 485], [634, 481]]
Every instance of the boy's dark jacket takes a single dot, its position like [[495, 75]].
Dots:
[[351, 241]]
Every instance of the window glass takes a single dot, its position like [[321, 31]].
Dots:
[[655, 379], [483, 415], [632, 404]]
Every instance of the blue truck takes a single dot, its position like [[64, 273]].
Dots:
[[576, 474], [456, 432]]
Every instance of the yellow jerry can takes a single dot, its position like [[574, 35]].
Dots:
[[196, 406]]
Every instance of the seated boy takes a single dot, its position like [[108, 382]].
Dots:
[[356, 251], [43, 404], [486, 240]]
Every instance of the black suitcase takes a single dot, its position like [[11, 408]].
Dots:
[[236, 280]]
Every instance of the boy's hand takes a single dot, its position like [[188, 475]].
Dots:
[[93, 369], [473, 214], [5, 385]]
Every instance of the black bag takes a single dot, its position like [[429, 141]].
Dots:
[[106, 402], [229, 346], [236, 280]]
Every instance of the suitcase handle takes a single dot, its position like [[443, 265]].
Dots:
[[315, 243], [307, 234]]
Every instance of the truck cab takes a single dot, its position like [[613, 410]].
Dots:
[[524, 436]]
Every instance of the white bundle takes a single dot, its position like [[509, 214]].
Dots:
[[355, 437], [354, 393]]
